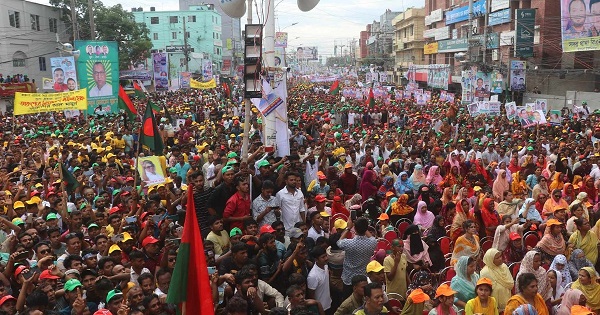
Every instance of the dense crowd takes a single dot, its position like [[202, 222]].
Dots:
[[397, 208]]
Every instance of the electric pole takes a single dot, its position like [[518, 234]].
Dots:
[[186, 51], [74, 20], [91, 13]]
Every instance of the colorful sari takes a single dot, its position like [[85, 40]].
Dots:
[[587, 243], [463, 284], [591, 291], [465, 247], [460, 217]]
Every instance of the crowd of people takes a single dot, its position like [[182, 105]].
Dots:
[[397, 208]]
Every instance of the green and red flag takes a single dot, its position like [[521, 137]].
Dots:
[[168, 115], [371, 99], [149, 135], [335, 88], [68, 179], [190, 283], [155, 108], [126, 104], [138, 91]]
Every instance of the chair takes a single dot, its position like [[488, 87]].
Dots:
[[394, 303], [487, 244], [402, 225], [568, 286], [447, 274], [382, 243], [445, 244], [514, 269], [531, 239], [448, 228], [390, 235]]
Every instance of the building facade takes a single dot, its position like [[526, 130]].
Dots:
[[200, 24], [408, 40], [375, 43], [30, 34]]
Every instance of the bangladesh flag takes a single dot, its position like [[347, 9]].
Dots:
[[335, 88], [149, 135], [68, 179], [168, 115], [371, 99], [126, 104], [155, 108], [138, 91], [190, 283]]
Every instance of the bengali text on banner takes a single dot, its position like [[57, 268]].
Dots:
[[32, 103]]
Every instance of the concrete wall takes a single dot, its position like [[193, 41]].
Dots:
[[552, 84], [569, 99], [554, 101]]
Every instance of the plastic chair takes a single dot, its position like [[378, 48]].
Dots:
[[390, 235], [486, 245], [402, 225], [531, 239], [448, 273], [394, 303], [445, 244], [514, 269], [382, 243]]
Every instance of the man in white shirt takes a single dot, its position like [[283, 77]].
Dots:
[[102, 88], [317, 282], [316, 228], [291, 202]]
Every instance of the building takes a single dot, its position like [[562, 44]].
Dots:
[[231, 31], [375, 43], [200, 24], [29, 33], [408, 40]]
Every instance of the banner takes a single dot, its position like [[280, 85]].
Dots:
[[63, 74], [497, 79], [475, 85], [98, 70], [555, 117], [437, 76], [207, 71], [281, 39], [144, 75], [33, 103], [160, 63], [528, 116], [542, 104], [517, 75], [47, 83], [151, 170], [203, 85], [580, 25], [307, 53], [184, 80], [511, 110], [279, 57], [525, 31]]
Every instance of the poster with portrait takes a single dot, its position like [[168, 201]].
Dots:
[[279, 57], [411, 74], [517, 75], [450, 98], [437, 76], [511, 110], [555, 117], [443, 95], [150, 170], [541, 104], [47, 83], [421, 98], [580, 25], [407, 94], [469, 81], [160, 66], [473, 109], [98, 70], [64, 76], [427, 96], [281, 39], [184, 79], [497, 81]]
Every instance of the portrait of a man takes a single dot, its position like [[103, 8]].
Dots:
[[101, 88]]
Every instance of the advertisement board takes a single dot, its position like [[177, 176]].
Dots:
[[160, 64], [98, 69], [580, 25], [307, 53], [64, 75]]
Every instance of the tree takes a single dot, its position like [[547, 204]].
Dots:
[[111, 24]]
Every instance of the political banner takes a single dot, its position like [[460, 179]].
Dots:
[[497, 81], [421, 98], [307, 53], [98, 70], [437, 76], [443, 95], [281, 39], [529, 116], [207, 70], [489, 108], [150, 170], [475, 85], [160, 63], [33, 103], [541, 104], [279, 57], [450, 98], [517, 75], [184, 80], [203, 85], [580, 25], [9, 89], [511, 110], [64, 76], [473, 109], [555, 117], [47, 83]]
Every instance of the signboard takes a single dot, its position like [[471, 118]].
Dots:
[[431, 48], [580, 25], [499, 5], [307, 53], [507, 38], [499, 17], [64, 75], [184, 80], [281, 39], [135, 75], [207, 71], [177, 48], [524, 32], [150, 170], [203, 85], [475, 85], [161, 71], [462, 13], [517, 75], [279, 57], [462, 44], [226, 69], [9, 89], [98, 70], [33, 103], [434, 16], [438, 75]]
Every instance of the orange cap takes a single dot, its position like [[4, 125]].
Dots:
[[444, 290], [383, 216], [580, 310], [552, 222], [484, 281]]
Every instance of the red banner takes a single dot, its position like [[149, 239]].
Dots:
[[226, 65], [9, 89]]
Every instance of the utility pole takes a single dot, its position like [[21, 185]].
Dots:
[[74, 20], [186, 51], [485, 30], [92, 24], [247, 104]]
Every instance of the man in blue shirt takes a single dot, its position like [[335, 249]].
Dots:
[[182, 168]]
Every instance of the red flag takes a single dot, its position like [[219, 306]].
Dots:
[[190, 282], [335, 87], [139, 92], [371, 99], [125, 103]]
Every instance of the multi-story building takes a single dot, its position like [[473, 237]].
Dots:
[[232, 50], [376, 41], [30, 34], [201, 26], [408, 40]]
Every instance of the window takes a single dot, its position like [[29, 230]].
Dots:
[[35, 22], [191, 18], [14, 19], [174, 35], [42, 62], [155, 36], [53, 25], [154, 20], [19, 58], [173, 19], [187, 34], [411, 30]]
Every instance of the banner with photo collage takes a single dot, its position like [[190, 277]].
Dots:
[[160, 63], [437, 76]]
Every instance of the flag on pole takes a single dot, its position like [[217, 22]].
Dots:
[[168, 115], [126, 104], [335, 88], [138, 91], [190, 283], [371, 99], [155, 108], [69, 180], [149, 135]]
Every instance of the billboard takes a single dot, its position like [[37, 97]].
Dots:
[[517, 75], [437, 76], [307, 53], [462, 13], [64, 76], [524, 32], [580, 25], [279, 57], [98, 70], [207, 70], [475, 86], [160, 64]]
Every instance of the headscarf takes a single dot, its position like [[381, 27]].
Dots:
[[500, 185], [566, 275], [416, 243], [465, 288], [540, 273], [401, 207], [531, 213], [432, 177], [436, 230], [559, 285], [389, 207], [423, 218], [446, 196], [547, 172], [557, 182], [460, 217], [386, 185], [591, 191], [500, 276], [592, 290], [338, 207], [552, 245], [421, 278], [569, 197], [367, 184], [403, 186], [576, 263], [525, 309], [490, 217], [355, 200], [418, 178], [570, 298]]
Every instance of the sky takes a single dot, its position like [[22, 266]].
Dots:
[[331, 22]]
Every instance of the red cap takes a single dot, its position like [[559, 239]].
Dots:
[[47, 275], [18, 271], [514, 236], [50, 194], [129, 179], [320, 198], [6, 298], [196, 158], [149, 240], [113, 210], [266, 229], [34, 193]]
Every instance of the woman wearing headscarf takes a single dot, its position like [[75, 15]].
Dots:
[[532, 180], [448, 212], [555, 281], [552, 243], [418, 178], [529, 212], [403, 185], [585, 240], [368, 184], [461, 215], [446, 196], [387, 185], [452, 178], [467, 244], [540, 188], [527, 295], [386, 172], [415, 248], [519, 187], [532, 263], [582, 200], [571, 298], [504, 230], [338, 207], [433, 176], [568, 193], [400, 209], [578, 261], [489, 216], [423, 217], [500, 185], [561, 264], [465, 280], [586, 283], [563, 167], [496, 270], [355, 200], [513, 165], [589, 188], [557, 182], [422, 280], [438, 228], [548, 173]]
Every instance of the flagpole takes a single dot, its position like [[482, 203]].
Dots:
[[246, 139]]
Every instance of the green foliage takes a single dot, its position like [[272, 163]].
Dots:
[[112, 24]]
